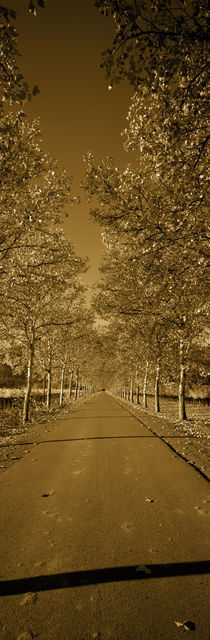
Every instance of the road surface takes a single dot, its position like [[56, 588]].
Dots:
[[104, 534]]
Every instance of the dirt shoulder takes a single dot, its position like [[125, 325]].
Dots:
[[189, 438]]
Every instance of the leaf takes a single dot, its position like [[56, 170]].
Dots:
[[189, 625], [50, 493], [143, 569], [28, 598], [35, 90]]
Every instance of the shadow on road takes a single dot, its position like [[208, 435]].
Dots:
[[23, 444], [97, 576]]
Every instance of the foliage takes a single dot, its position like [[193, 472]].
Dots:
[[153, 214], [14, 88], [41, 295], [157, 38], [32, 6]]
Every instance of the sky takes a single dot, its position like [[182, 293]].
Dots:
[[60, 52]]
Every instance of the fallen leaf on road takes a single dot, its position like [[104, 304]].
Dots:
[[143, 569], [28, 597], [149, 500], [126, 526], [187, 625], [50, 493]]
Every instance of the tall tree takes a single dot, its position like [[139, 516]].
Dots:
[[32, 288]]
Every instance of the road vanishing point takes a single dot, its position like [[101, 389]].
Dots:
[[104, 534]]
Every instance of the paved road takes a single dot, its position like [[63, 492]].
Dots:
[[104, 534]]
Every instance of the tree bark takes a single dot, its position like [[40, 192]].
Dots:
[[138, 394], [182, 375], [29, 380], [44, 386], [62, 380], [77, 386], [49, 376], [70, 383], [131, 391], [144, 401], [157, 388]]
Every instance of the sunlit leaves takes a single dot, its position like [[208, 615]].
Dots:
[[34, 189], [155, 38], [14, 89], [33, 4]]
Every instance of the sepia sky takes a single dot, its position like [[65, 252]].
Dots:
[[60, 51]]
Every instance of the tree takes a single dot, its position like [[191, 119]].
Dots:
[[32, 288], [14, 89], [158, 38], [37, 264], [34, 189], [69, 346], [152, 254]]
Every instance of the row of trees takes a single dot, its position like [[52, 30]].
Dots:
[[43, 317], [153, 213]]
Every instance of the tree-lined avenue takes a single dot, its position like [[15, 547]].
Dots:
[[104, 534]]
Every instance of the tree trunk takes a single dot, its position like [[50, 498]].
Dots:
[[29, 381], [77, 385], [144, 402], [157, 388], [49, 377], [62, 380], [61, 385], [131, 391], [78, 390], [44, 386], [138, 394], [182, 374], [70, 383]]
